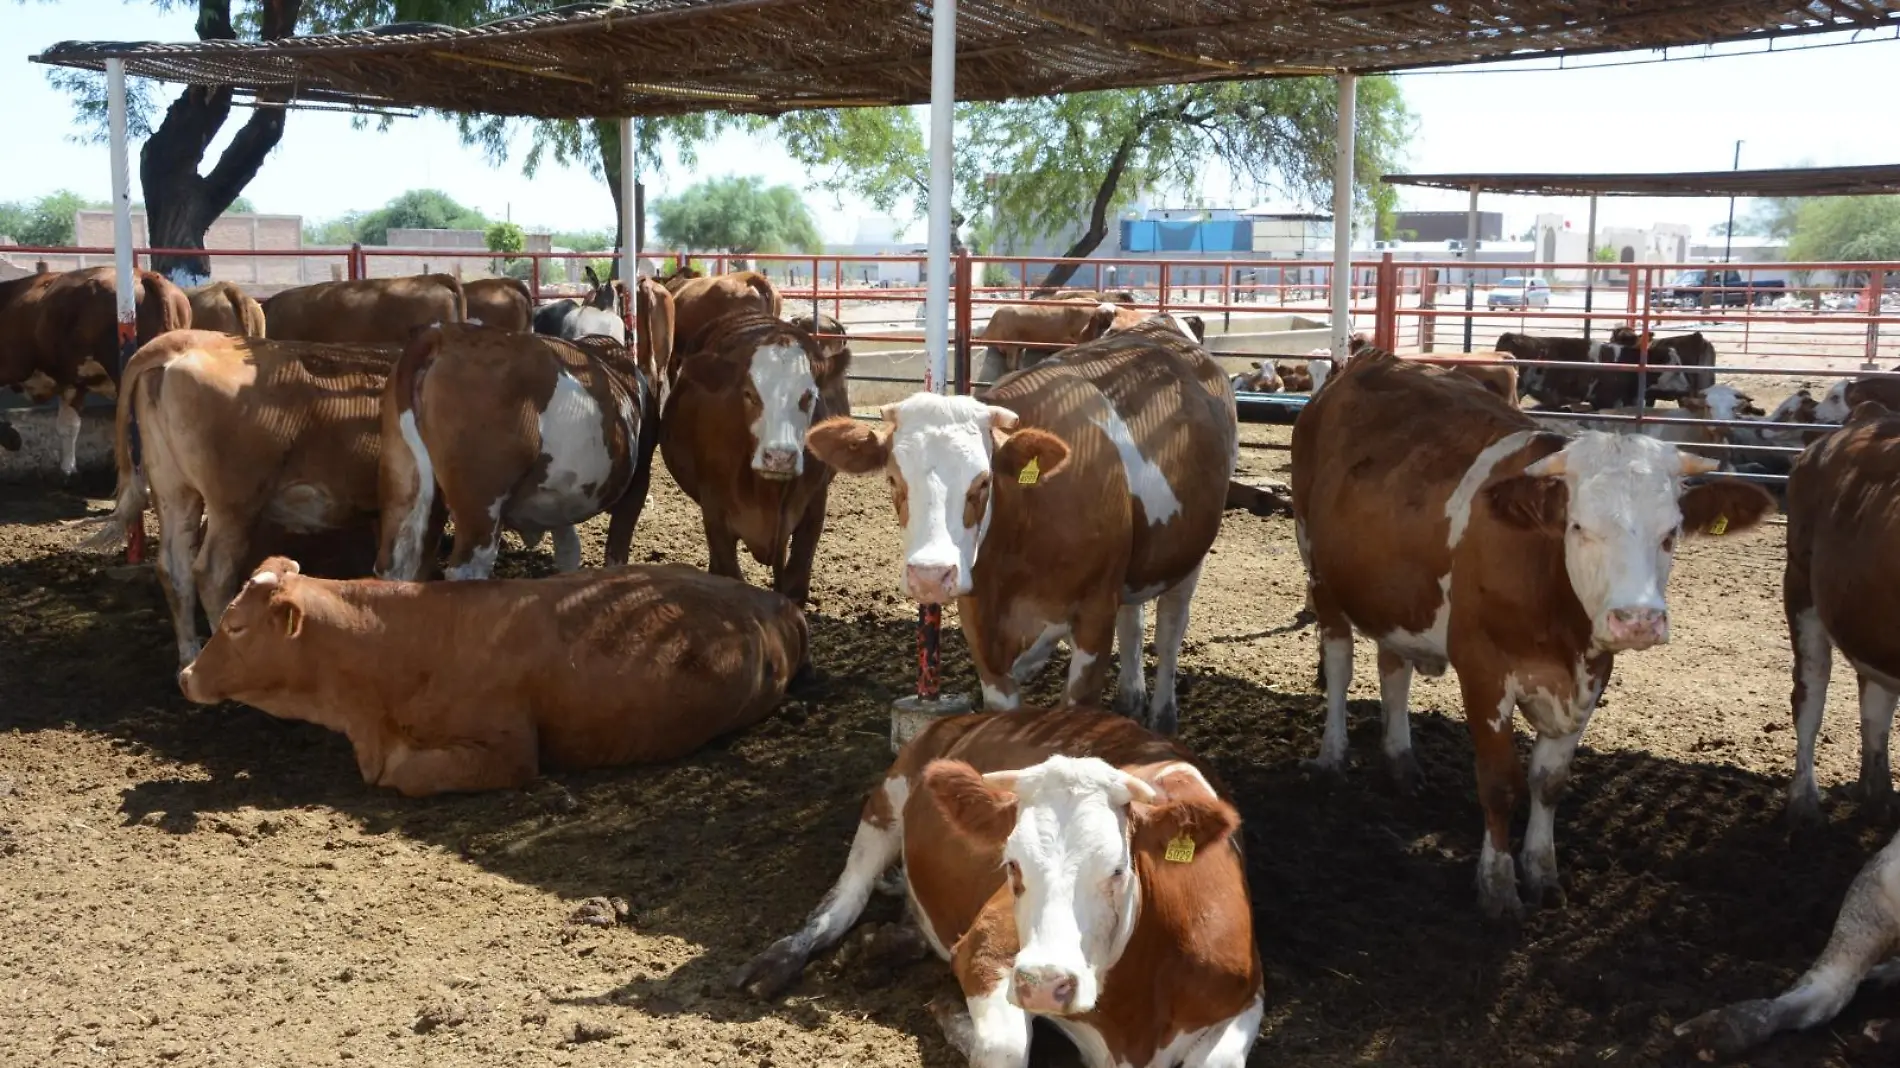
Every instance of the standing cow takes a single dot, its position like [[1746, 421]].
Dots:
[[733, 437], [1443, 524], [365, 311], [1060, 503], [503, 303], [596, 316], [227, 309]]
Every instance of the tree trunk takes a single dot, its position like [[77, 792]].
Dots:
[[1098, 221], [181, 204]]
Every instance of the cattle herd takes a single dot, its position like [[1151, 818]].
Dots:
[[1075, 863]]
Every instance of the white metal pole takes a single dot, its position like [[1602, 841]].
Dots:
[[943, 95], [121, 202], [629, 171], [1590, 274], [1471, 261], [1342, 220]]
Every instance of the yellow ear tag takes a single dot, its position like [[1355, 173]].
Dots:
[[1029, 474], [1720, 526], [1180, 849]]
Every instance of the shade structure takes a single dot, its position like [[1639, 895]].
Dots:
[[1872, 180], [657, 57]]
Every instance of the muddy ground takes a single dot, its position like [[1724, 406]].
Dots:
[[193, 886]]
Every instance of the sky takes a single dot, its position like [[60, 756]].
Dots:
[[1798, 107]]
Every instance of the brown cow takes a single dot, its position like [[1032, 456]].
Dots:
[[1058, 504], [1447, 527], [238, 431], [477, 685], [1070, 866], [59, 337], [702, 303], [1020, 336], [365, 310], [227, 309], [833, 340], [733, 436], [503, 303], [513, 430], [1839, 592]]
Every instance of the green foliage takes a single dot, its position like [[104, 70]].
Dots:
[[1604, 254], [505, 237], [583, 240], [423, 209], [241, 206], [997, 276], [1846, 228], [738, 214], [339, 231], [46, 221]]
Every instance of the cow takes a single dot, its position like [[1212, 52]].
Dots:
[[1058, 503], [227, 309], [702, 303], [1111, 296], [512, 430], [365, 311], [1719, 403], [1847, 393], [1445, 525], [1262, 379], [59, 337], [466, 686], [503, 303], [234, 432], [1022, 336], [1297, 378], [832, 338], [1837, 590], [596, 316], [1070, 866], [732, 434], [1557, 387]]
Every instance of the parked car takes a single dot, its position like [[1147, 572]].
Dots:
[[1519, 292], [1699, 287]]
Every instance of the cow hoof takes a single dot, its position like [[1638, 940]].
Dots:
[[805, 681], [953, 1016], [1804, 811], [1727, 1032], [771, 972], [1407, 777], [891, 883], [1326, 770], [1132, 704], [1166, 720], [1876, 799], [1497, 888]]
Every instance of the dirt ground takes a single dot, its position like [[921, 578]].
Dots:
[[194, 886]]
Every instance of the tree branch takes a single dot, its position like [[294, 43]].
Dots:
[[1098, 215]]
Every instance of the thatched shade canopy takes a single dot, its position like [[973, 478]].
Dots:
[[657, 57], [1780, 182]]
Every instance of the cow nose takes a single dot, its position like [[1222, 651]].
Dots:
[[930, 583], [779, 462], [1044, 989], [1639, 628]]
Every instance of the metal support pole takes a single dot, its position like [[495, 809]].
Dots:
[[1589, 273], [1471, 262], [1728, 235], [1342, 220], [123, 277], [629, 230]]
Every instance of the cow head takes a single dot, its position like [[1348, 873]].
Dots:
[[241, 656], [1722, 402], [940, 454], [1834, 407], [1618, 503], [1071, 832], [779, 384]]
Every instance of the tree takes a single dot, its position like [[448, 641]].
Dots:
[[46, 221], [740, 215], [417, 209], [1847, 228], [1036, 166]]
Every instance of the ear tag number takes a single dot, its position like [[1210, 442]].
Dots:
[[1180, 850], [1030, 473]]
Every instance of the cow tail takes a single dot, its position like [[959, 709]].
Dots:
[[131, 492]]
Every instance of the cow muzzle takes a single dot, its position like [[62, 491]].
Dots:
[[187, 685], [930, 583], [778, 463], [1044, 989], [1631, 629]]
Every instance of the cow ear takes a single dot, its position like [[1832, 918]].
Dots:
[[1167, 830], [1050, 454], [1530, 502], [848, 445], [1867, 411], [970, 804], [286, 614], [1724, 504]]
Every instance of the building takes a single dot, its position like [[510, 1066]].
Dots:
[[1429, 226]]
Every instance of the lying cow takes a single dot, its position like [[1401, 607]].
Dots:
[[236, 432], [1069, 866], [514, 430], [1706, 436], [1058, 504], [503, 303], [732, 435], [596, 316], [59, 337], [1446, 526], [1262, 379], [227, 309], [1843, 526], [479, 685], [365, 311]]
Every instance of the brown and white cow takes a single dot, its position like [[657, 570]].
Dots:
[[732, 435], [1841, 590], [365, 310], [1071, 866], [1021, 336], [59, 337], [503, 303], [702, 302], [1058, 504], [238, 432], [1446, 526], [227, 309], [512, 430], [1261, 379], [1707, 436], [478, 685]]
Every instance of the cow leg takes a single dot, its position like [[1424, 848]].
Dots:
[[1395, 700], [477, 541], [624, 516], [408, 510], [179, 514], [1876, 723], [1171, 623], [794, 579], [226, 538], [988, 1030], [506, 759], [992, 652], [1488, 712], [874, 848], [1131, 635], [567, 548], [1549, 778], [1813, 666], [1090, 643], [722, 548], [1227, 1044], [66, 424], [531, 537], [1866, 932], [1335, 651]]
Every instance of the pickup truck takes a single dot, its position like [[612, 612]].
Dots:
[[1695, 288]]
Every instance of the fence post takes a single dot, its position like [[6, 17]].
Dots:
[[961, 335], [354, 271], [534, 283], [1875, 279], [1385, 309], [1167, 282], [1630, 303]]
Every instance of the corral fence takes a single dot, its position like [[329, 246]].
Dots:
[[1778, 327]]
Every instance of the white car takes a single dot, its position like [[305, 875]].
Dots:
[[1518, 292]]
